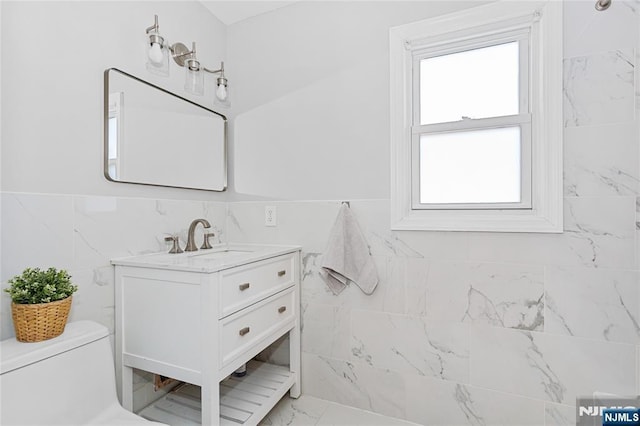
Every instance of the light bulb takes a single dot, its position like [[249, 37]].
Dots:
[[155, 54], [221, 92]]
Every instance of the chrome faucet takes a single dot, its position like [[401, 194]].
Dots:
[[191, 245]]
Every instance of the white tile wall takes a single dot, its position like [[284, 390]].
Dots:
[[637, 5], [587, 31], [596, 304], [36, 230], [410, 345], [601, 161], [549, 367], [472, 340], [599, 232], [504, 295], [494, 328], [464, 328], [82, 234], [326, 330], [440, 402], [354, 384], [599, 88], [559, 415]]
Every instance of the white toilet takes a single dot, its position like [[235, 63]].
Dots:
[[68, 380]]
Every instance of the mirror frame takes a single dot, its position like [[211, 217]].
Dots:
[[105, 133]]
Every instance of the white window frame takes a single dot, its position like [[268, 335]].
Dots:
[[542, 120]]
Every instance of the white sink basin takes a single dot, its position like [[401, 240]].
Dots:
[[219, 254]]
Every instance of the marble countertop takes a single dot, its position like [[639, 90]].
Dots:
[[217, 258]]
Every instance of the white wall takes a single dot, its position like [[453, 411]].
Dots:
[[52, 86], [311, 97], [495, 328], [464, 327], [57, 209]]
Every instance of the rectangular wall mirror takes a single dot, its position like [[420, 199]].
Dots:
[[154, 137]]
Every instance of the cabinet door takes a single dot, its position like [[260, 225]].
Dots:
[[161, 317]]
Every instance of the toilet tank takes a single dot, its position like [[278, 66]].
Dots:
[[65, 380]]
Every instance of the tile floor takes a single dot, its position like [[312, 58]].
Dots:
[[310, 411]]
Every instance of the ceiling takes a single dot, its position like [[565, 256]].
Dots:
[[230, 12]]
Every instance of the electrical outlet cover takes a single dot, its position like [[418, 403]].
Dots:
[[270, 217]]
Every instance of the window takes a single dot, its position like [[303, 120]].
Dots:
[[476, 120], [471, 137]]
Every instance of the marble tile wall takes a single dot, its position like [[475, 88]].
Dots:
[[449, 339], [464, 328], [637, 68], [82, 233], [493, 328]]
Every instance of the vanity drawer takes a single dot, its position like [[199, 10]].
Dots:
[[247, 284], [246, 328]]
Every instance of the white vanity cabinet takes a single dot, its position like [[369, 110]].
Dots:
[[197, 317]]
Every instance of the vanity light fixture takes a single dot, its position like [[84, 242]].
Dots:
[[158, 63], [157, 51]]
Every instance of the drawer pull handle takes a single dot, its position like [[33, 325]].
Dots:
[[244, 331], [244, 286], [281, 309], [281, 273]]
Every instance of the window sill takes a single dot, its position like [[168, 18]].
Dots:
[[479, 220]]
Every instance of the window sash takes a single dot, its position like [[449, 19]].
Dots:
[[520, 36], [523, 119], [523, 39], [472, 124]]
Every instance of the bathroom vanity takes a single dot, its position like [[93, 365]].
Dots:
[[198, 316]]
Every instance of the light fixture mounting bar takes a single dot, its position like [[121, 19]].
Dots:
[[180, 53], [158, 62], [155, 26]]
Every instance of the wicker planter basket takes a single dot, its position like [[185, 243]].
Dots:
[[41, 321]]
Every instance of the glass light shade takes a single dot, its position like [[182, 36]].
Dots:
[[221, 92], [157, 55], [194, 77]]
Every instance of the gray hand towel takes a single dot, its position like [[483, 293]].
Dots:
[[347, 256]]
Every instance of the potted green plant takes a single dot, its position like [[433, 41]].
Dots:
[[41, 301]]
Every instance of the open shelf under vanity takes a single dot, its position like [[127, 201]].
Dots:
[[243, 400]]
